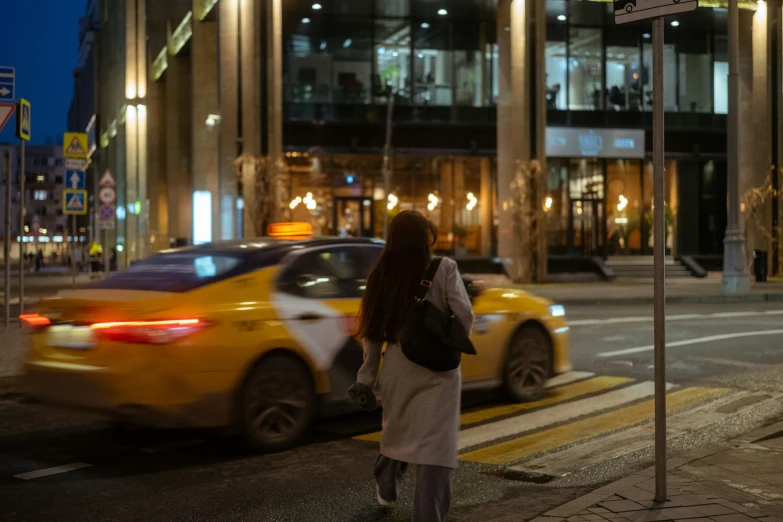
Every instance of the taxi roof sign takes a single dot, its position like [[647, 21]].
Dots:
[[75, 145], [290, 230]]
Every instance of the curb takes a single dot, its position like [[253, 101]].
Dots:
[[675, 299], [580, 504]]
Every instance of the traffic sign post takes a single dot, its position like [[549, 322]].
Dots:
[[23, 132], [75, 145], [626, 11], [7, 85], [75, 179], [74, 202], [107, 195]]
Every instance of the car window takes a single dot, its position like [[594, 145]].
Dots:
[[335, 273], [370, 255]]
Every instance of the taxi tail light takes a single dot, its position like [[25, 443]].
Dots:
[[148, 332], [35, 323]]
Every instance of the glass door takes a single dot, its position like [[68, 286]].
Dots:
[[585, 227], [353, 217]]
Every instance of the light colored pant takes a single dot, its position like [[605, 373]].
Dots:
[[432, 499]]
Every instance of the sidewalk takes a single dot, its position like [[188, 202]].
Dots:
[[640, 291], [11, 352], [738, 481]]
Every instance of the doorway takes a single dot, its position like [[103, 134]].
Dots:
[[585, 227], [353, 217]]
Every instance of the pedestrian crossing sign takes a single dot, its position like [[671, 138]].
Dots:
[[74, 202], [75, 145], [23, 120]]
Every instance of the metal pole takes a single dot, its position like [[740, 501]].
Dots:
[[735, 276], [7, 241], [659, 249], [73, 251], [21, 226], [387, 161]]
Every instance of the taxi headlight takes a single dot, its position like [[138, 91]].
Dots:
[[557, 310]]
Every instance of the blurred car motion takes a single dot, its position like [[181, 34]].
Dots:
[[254, 335]]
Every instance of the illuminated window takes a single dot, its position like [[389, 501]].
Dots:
[[39, 195]]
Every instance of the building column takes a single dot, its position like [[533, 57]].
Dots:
[[513, 131], [228, 43], [205, 118], [447, 195], [178, 142]]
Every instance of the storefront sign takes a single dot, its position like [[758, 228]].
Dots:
[[575, 142]]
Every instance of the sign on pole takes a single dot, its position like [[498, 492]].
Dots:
[[626, 11], [23, 120], [74, 202], [75, 145], [75, 164], [7, 85], [75, 179], [6, 110], [107, 180]]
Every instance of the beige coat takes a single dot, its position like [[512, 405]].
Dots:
[[421, 408]]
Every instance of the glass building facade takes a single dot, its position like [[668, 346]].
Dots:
[[437, 62]]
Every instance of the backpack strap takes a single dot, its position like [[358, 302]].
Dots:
[[429, 275]]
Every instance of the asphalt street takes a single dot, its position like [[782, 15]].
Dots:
[[724, 366]]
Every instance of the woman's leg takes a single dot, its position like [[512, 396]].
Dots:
[[433, 494], [388, 473]]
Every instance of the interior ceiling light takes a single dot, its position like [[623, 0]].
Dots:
[[562, 18], [442, 12]]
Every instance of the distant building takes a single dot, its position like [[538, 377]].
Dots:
[[44, 184], [82, 111]]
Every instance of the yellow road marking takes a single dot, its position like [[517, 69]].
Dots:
[[561, 394], [541, 441]]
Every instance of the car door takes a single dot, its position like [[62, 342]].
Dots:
[[318, 298]]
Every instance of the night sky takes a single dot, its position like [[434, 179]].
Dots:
[[40, 39]]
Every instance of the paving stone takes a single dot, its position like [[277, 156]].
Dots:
[[619, 506], [771, 519], [598, 510], [636, 494], [575, 518], [593, 517], [736, 517], [677, 513], [694, 520], [547, 519], [711, 510], [645, 516]]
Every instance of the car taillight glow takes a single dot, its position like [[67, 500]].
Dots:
[[148, 332], [34, 323]]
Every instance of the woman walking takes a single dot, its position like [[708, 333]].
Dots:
[[420, 407]]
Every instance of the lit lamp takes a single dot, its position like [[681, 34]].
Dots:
[[433, 201], [548, 204], [472, 201], [392, 202]]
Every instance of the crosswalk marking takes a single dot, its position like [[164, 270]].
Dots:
[[539, 442], [562, 413], [562, 394], [582, 456]]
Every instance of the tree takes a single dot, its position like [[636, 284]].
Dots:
[[264, 191], [755, 206], [527, 188]]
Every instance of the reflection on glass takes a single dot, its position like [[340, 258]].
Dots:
[[669, 78], [329, 61], [392, 60], [623, 207], [585, 85], [432, 66], [555, 75], [623, 79]]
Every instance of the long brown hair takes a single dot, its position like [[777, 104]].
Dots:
[[391, 287]]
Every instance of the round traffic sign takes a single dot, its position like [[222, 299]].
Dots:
[[107, 195], [106, 212]]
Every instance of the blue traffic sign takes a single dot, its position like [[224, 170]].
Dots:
[[74, 202], [106, 212], [74, 179], [7, 84]]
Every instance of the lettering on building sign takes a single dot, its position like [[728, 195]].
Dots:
[[624, 143], [591, 144]]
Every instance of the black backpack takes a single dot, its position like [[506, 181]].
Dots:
[[429, 337]]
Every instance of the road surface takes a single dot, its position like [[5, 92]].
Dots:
[[725, 364]]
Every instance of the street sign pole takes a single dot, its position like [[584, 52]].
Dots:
[[21, 228], [73, 251], [659, 249], [7, 241]]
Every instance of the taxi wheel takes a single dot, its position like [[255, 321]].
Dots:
[[527, 365], [278, 402]]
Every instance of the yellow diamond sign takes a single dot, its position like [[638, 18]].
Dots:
[[75, 145]]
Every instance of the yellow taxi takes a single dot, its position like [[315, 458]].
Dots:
[[254, 335]]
